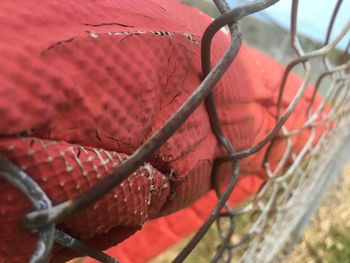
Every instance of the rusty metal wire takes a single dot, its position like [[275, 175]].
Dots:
[[48, 234], [286, 190], [66, 240], [36, 195]]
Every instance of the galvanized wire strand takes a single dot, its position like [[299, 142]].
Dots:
[[38, 198], [68, 241], [235, 43], [331, 22], [210, 220], [227, 18], [291, 107], [222, 6], [226, 244]]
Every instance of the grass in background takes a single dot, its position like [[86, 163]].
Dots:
[[327, 239]]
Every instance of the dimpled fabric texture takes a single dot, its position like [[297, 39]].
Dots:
[[84, 83]]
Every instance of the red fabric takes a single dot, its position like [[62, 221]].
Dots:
[[159, 234], [83, 84]]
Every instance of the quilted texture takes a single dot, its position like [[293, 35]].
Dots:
[[85, 83]]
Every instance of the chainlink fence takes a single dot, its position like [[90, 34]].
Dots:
[[265, 227]]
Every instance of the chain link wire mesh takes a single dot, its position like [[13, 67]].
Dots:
[[289, 196], [275, 211]]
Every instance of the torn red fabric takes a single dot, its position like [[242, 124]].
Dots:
[[83, 84], [167, 231]]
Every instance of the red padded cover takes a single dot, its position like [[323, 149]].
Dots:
[[85, 83], [160, 234]]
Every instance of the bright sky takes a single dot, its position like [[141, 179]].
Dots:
[[313, 17]]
